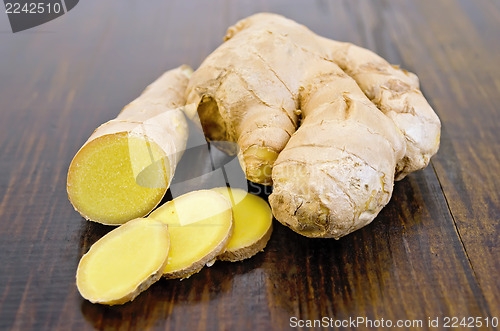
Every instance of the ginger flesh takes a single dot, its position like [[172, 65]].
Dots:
[[363, 122], [124, 262], [102, 185], [253, 224], [200, 224], [126, 166]]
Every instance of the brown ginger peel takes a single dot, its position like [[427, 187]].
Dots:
[[363, 122]]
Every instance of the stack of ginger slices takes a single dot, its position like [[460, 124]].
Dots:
[[175, 241]]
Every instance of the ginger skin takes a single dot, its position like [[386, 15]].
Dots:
[[363, 122]]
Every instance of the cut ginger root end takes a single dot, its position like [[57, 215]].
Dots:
[[200, 224], [101, 181], [253, 224], [124, 263], [124, 169]]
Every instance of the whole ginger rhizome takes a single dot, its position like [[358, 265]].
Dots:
[[330, 125]]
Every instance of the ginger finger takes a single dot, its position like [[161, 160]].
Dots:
[[397, 94], [124, 169]]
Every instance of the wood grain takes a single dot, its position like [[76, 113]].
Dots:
[[432, 252]]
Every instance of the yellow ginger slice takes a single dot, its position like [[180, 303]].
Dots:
[[124, 169], [200, 224], [253, 224], [124, 263]]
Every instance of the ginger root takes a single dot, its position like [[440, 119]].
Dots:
[[200, 224], [363, 122], [124, 169], [253, 224], [124, 262]]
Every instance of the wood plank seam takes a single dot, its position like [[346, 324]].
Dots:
[[460, 238]]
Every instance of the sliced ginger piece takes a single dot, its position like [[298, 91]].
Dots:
[[200, 224], [253, 224], [124, 263]]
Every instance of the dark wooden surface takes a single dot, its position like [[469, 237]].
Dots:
[[432, 252]]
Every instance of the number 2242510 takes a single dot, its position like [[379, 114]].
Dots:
[[470, 322], [32, 8]]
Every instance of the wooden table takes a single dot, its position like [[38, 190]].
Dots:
[[433, 252]]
